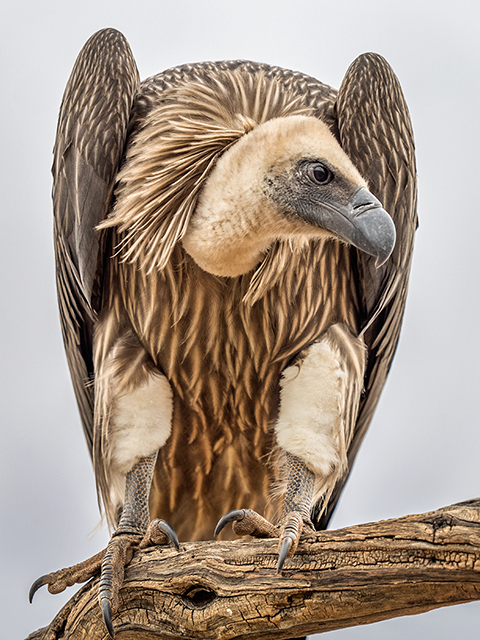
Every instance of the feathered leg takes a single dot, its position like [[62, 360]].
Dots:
[[318, 407], [133, 410]]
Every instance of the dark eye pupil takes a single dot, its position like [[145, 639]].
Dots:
[[321, 174]]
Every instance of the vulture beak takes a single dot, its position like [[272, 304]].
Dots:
[[363, 223]]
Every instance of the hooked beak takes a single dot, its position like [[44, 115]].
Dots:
[[363, 223]]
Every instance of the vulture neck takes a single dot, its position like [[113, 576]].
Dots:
[[230, 237], [235, 221]]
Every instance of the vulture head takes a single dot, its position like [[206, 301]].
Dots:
[[287, 179]]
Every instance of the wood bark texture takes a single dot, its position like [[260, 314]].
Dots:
[[337, 579]]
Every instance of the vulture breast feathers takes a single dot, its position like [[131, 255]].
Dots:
[[213, 224]]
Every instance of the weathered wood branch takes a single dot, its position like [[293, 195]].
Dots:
[[337, 579]]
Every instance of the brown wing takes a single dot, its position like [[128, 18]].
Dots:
[[91, 134], [375, 130]]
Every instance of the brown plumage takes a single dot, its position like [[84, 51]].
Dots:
[[180, 122], [154, 295]]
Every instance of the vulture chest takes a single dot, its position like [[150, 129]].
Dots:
[[223, 357]]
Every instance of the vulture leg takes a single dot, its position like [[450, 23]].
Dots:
[[318, 404], [297, 505], [134, 531]]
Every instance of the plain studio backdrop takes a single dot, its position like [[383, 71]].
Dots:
[[422, 449]]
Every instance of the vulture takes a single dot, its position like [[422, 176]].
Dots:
[[233, 244]]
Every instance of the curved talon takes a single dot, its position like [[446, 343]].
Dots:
[[285, 548], [39, 582], [232, 516], [107, 615], [168, 530]]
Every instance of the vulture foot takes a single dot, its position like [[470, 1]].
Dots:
[[295, 520], [118, 554], [292, 527], [297, 503], [246, 522], [110, 563], [134, 531], [58, 581]]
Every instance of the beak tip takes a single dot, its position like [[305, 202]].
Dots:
[[380, 261], [383, 254], [379, 235]]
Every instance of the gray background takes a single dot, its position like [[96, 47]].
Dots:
[[422, 449]]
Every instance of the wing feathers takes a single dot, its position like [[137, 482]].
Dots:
[[375, 130], [91, 134]]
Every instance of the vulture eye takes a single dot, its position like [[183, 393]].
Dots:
[[319, 174]]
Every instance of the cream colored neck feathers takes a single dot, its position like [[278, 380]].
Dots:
[[236, 221]]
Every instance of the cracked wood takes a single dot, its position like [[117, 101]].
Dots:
[[337, 579]]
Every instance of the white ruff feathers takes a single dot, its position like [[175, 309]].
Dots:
[[316, 403], [310, 418], [141, 423]]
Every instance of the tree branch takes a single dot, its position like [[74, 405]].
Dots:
[[337, 579]]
